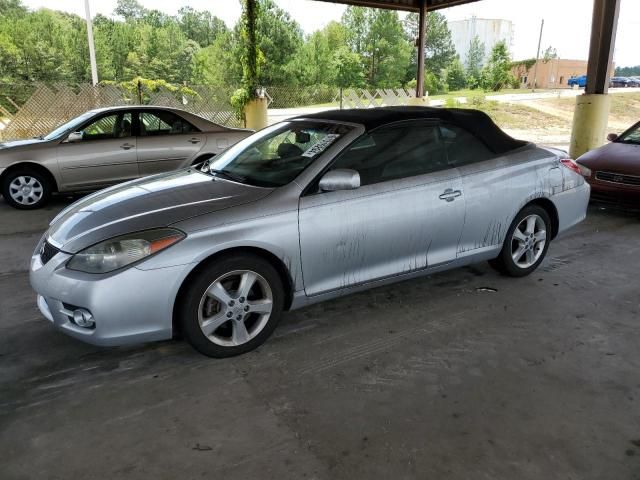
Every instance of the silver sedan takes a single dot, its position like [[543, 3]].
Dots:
[[303, 211], [107, 146]]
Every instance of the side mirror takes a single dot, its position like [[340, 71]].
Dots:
[[612, 137], [340, 179], [74, 137]]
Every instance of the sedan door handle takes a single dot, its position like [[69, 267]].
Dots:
[[126, 146], [450, 194], [194, 140]]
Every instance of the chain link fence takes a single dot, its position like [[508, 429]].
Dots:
[[33, 109]]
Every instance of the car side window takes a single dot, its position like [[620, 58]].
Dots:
[[163, 123], [463, 148], [631, 136], [117, 125], [394, 152]]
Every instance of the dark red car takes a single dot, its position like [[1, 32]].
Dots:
[[613, 170]]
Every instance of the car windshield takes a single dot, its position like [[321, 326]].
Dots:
[[69, 126], [276, 155], [631, 136]]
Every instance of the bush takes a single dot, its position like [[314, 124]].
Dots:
[[432, 84], [477, 100], [452, 103], [239, 100]]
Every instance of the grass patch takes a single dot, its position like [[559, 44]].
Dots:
[[470, 93], [513, 115], [625, 107]]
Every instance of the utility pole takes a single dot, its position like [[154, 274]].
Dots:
[[535, 68], [92, 48]]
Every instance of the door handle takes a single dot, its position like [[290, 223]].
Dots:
[[194, 140], [126, 146], [449, 195]]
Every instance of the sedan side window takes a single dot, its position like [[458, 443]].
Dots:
[[107, 127], [463, 147], [163, 123], [395, 152]]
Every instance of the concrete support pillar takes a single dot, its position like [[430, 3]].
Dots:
[[590, 120], [592, 109], [255, 113]]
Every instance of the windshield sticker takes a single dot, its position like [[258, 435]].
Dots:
[[321, 146]]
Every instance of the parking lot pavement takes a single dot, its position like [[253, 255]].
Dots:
[[464, 374]]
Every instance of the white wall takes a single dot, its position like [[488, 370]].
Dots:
[[490, 32]]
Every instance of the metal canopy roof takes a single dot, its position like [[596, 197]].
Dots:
[[407, 5]]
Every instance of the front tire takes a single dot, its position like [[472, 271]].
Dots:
[[525, 244], [26, 188], [232, 307]]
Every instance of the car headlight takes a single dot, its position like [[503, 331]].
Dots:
[[584, 171], [124, 250]]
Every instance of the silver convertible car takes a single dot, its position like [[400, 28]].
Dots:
[[107, 146], [303, 211]]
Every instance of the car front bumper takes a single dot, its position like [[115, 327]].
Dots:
[[127, 306], [615, 193]]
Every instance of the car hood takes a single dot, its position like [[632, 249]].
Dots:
[[16, 144], [614, 157], [151, 202]]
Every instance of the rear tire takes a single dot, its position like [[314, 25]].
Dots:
[[525, 244], [232, 306], [26, 188]]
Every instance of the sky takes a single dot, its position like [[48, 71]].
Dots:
[[567, 22]]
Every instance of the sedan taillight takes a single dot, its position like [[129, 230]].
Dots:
[[575, 167]]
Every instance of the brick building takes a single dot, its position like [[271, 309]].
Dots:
[[554, 73]]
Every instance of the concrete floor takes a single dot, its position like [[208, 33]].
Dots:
[[430, 379]]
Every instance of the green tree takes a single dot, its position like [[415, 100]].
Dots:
[[11, 8], [130, 10], [347, 68], [474, 62], [312, 62], [550, 53], [628, 71], [377, 36], [439, 48], [279, 37], [356, 23], [496, 75], [456, 76], [200, 26], [218, 64]]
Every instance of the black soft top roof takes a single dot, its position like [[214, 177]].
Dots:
[[474, 121]]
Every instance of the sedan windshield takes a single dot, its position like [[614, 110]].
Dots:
[[69, 126], [276, 155], [631, 136]]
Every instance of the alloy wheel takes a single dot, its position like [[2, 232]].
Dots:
[[528, 241], [235, 308]]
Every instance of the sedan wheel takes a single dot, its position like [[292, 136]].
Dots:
[[235, 308], [26, 189], [231, 306], [526, 242]]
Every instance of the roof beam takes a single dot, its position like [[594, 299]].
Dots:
[[406, 5]]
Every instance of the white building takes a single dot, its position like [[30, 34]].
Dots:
[[489, 31]]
